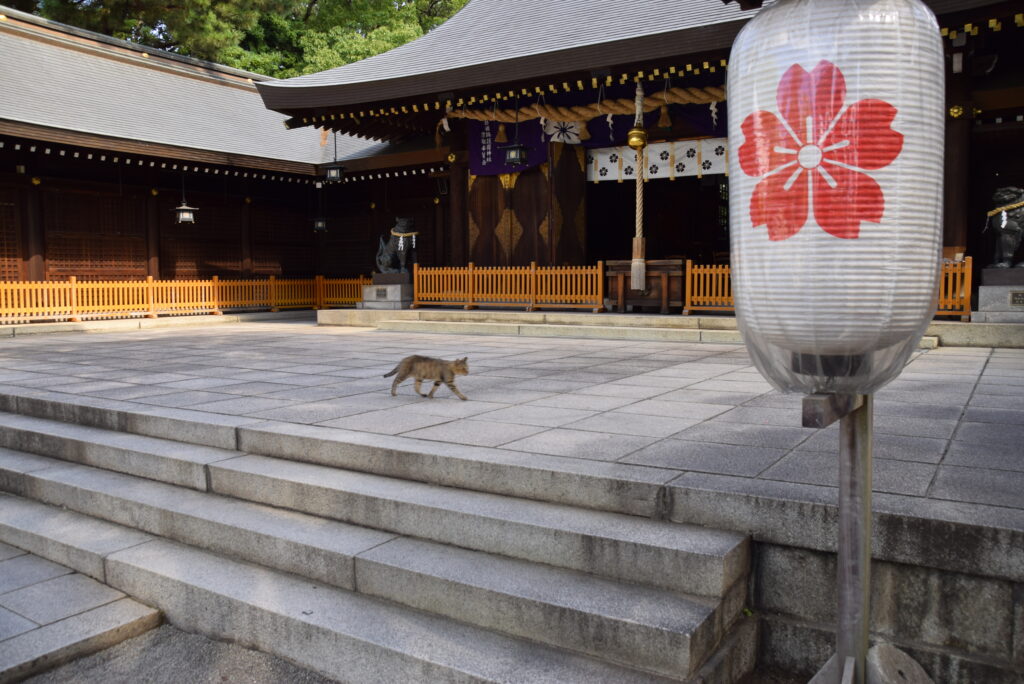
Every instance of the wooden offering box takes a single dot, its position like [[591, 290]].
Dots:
[[663, 287]]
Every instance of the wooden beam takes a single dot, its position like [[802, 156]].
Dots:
[[66, 137]]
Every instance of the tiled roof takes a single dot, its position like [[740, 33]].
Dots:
[[494, 41], [79, 81]]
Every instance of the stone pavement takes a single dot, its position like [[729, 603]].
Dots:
[[949, 429], [168, 655], [50, 614]]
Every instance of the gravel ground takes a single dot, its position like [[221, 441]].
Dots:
[[167, 655]]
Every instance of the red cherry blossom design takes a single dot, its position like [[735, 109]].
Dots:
[[817, 154]]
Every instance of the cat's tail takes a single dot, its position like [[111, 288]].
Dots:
[[393, 371]]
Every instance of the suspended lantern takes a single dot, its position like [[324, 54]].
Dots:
[[516, 153], [334, 172], [184, 213], [836, 110], [320, 225]]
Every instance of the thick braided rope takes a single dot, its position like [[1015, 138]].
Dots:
[[638, 267], [587, 112], [638, 120]]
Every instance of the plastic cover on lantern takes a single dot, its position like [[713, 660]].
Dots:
[[836, 135]]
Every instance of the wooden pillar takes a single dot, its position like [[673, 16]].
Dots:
[[34, 255], [457, 213], [247, 238], [958, 147], [439, 231], [153, 236]]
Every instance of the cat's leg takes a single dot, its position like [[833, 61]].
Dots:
[[419, 385], [455, 390], [399, 379], [437, 383]]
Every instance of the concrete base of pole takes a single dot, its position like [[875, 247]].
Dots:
[[886, 664]]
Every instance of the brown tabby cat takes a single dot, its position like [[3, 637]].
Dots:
[[425, 368]]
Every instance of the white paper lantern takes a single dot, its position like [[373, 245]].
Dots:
[[836, 130]]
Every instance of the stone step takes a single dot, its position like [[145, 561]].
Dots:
[[637, 626], [158, 459], [677, 557], [655, 631], [50, 615], [340, 634], [609, 486], [604, 332]]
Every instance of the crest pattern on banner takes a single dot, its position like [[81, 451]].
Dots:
[[675, 159]]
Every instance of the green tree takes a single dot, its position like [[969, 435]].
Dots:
[[277, 37]]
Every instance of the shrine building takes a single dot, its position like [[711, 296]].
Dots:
[[501, 134]]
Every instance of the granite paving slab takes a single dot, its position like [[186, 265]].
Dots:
[[600, 446], [25, 570], [58, 598]]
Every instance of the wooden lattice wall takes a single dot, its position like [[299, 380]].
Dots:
[[94, 234], [10, 239]]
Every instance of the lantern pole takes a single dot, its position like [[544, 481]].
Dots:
[[853, 569], [854, 562]]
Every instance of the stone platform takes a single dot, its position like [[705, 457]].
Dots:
[[561, 439]]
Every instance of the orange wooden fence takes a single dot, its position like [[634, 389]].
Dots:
[[709, 288], [23, 302], [955, 289], [531, 287]]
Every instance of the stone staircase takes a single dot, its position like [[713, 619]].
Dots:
[[376, 561]]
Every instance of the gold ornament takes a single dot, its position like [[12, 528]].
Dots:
[[437, 200], [956, 111], [637, 138], [154, 192], [36, 180], [451, 158]]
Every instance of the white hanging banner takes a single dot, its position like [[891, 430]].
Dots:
[[674, 159]]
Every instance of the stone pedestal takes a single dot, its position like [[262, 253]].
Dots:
[[1000, 304], [388, 291]]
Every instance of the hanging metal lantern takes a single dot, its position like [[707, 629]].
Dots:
[[515, 154], [334, 173], [836, 112], [184, 213]]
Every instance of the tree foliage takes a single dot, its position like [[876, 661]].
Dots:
[[279, 38]]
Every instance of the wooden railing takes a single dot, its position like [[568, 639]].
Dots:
[[531, 287], [23, 302], [707, 288], [955, 289]]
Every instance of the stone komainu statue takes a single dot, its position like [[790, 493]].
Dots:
[[399, 250], [1008, 220]]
